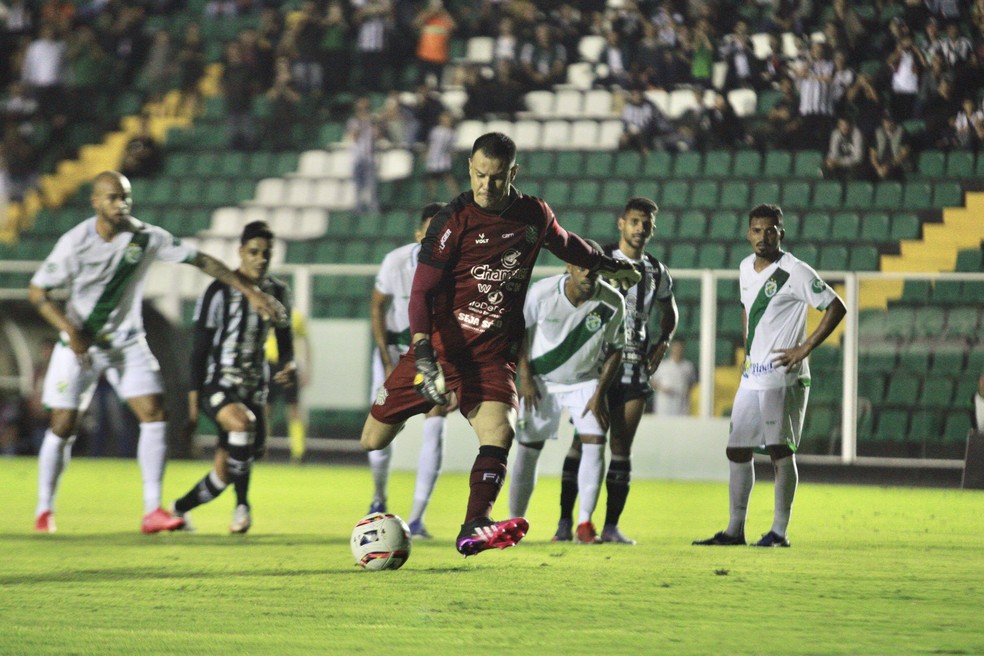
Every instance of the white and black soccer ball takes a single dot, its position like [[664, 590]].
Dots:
[[381, 541]]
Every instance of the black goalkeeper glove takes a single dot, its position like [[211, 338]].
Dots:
[[429, 381], [622, 274]]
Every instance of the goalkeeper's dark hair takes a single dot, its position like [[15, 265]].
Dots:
[[430, 209], [641, 204], [766, 211], [496, 145], [254, 230]]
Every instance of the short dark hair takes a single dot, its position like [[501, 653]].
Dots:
[[641, 204], [254, 230], [429, 210], [766, 211], [496, 145]]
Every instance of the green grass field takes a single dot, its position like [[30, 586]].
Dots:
[[871, 571]]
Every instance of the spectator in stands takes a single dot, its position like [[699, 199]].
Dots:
[[722, 128], [968, 126], [929, 41], [644, 126], [775, 67], [850, 25], [700, 51], [22, 163], [42, 70], [960, 57], [937, 113], [371, 20], [816, 96], [436, 25], [258, 54], [335, 49], [783, 122], [978, 415], [19, 108], [142, 156], [929, 83], [159, 72], [301, 43], [362, 131], [845, 154], [506, 45], [867, 105], [240, 87], [440, 156], [493, 92], [568, 27], [890, 153], [615, 61], [426, 110], [191, 64], [907, 63], [843, 78], [543, 61], [739, 55], [283, 97], [673, 382]]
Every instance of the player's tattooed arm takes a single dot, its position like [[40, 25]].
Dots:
[[267, 306]]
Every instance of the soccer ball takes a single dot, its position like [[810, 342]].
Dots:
[[380, 541]]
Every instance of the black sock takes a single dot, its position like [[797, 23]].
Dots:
[[203, 491], [241, 469], [568, 487], [617, 485]]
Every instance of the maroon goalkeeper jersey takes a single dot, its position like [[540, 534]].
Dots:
[[486, 258]]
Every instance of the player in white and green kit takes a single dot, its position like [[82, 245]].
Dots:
[[776, 289], [103, 262], [575, 332]]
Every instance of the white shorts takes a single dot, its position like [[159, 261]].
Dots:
[[768, 417], [378, 372], [132, 371], [540, 425]]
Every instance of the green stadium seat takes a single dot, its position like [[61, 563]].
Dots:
[[704, 194], [764, 192], [962, 322], [355, 251], [232, 165], [747, 164], [284, 163], [717, 164], [693, 226], [766, 100], [658, 165], [916, 292], [965, 386], [218, 192], [937, 392], [177, 164], [687, 165], [902, 390], [725, 226], [585, 193], [972, 289], [859, 195], [901, 323], [888, 195], [947, 292], [845, 226], [575, 220], [821, 422], [932, 163], [947, 360], [614, 194], [646, 189], [917, 195], [956, 427], [683, 256], [666, 223], [926, 426], [809, 253], [905, 225], [711, 256], [205, 164], [569, 165], [875, 227], [598, 164], [540, 162], [675, 194], [792, 225], [796, 195], [828, 194], [914, 357], [735, 256], [330, 133], [833, 258], [975, 363], [828, 388], [778, 164], [734, 195], [892, 425], [929, 323], [864, 258], [960, 164], [947, 194], [815, 227], [808, 164], [970, 260], [628, 165], [160, 191], [872, 325], [686, 289], [260, 164], [557, 192]]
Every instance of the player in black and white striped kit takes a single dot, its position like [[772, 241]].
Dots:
[[628, 397], [230, 375]]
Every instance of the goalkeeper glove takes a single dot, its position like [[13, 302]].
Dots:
[[429, 381], [620, 273]]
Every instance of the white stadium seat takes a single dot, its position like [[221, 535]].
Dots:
[[395, 164], [556, 134], [597, 103], [312, 223], [299, 192], [540, 103], [681, 100], [340, 165], [719, 73], [590, 47], [760, 45], [580, 75], [568, 103], [327, 194], [505, 127], [468, 132], [527, 135], [660, 98], [584, 135], [227, 222], [609, 133], [270, 191], [454, 100], [480, 50], [313, 163], [743, 101]]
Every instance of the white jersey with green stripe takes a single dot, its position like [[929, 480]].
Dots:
[[395, 278], [775, 301], [105, 280], [567, 344]]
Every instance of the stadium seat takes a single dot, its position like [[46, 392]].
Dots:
[[859, 195], [693, 226], [970, 260], [875, 227], [916, 292], [628, 165], [568, 103], [808, 164], [914, 356], [744, 101], [590, 47], [658, 164], [821, 422], [683, 256], [901, 323], [960, 164], [557, 192], [888, 195], [598, 103], [717, 164], [827, 194], [791, 222], [598, 165], [962, 322], [747, 164], [833, 258], [527, 135], [585, 192], [893, 425], [925, 426], [675, 194], [947, 194], [764, 192], [480, 50], [796, 195], [734, 195], [569, 165], [778, 164], [815, 227], [864, 258], [947, 292], [948, 359], [871, 386], [540, 103], [687, 165], [845, 226], [917, 195], [646, 188], [932, 163], [725, 226], [585, 135], [905, 225], [704, 194], [710, 256], [937, 392], [614, 194], [956, 427]]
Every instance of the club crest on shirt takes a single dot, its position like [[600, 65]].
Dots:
[[132, 254], [818, 285], [771, 287], [495, 297], [593, 322], [510, 259]]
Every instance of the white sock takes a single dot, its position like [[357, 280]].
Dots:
[[379, 465], [589, 479], [522, 479], [428, 466], [786, 479], [53, 457], [150, 454], [739, 490]]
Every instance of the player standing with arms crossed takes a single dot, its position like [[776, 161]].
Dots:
[[770, 404], [573, 352], [104, 262], [388, 310], [466, 324]]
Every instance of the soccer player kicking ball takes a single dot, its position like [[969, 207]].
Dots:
[[770, 404], [466, 324], [230, 375], [104, 262], [573, 351]]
